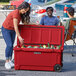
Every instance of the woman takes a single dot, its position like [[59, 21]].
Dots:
[[10, 27]]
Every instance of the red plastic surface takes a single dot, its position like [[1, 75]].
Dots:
[[33, 34], [36, 58]]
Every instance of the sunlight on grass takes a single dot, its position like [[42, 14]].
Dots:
[[4, 3], [52, 1]]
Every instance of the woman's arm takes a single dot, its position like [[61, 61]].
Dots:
[[15, 21], [31, 24]]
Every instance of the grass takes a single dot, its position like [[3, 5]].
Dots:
[[53, 1], [4, 3]]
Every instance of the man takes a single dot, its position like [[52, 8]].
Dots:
[[70, 12], [70, 23], [50, 19]]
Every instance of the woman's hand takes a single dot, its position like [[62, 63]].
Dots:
[[21, 40]]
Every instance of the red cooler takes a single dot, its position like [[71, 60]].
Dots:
[[44, 59]]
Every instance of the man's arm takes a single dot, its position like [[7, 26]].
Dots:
[[42, 21], [57, 21]]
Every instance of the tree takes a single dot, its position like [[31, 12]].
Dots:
[[4, 0]]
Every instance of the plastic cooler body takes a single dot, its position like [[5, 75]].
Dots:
[[39, 58]]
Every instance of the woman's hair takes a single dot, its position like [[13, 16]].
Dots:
[[25, 17], [51, 8], [70, 11]]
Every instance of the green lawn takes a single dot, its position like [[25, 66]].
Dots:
[[52, 1], [4, 3]]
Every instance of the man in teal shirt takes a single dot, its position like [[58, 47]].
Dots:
[[70, 27], [70, 12]]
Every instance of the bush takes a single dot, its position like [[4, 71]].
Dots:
[[4, 0]]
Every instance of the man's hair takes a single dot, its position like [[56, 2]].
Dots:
[[70, 11], [51, 8]]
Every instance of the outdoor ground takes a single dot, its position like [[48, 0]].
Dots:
[[68, 69]]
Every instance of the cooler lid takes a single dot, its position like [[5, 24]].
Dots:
[[34, 34]]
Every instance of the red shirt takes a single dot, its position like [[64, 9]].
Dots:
[[8, 23]]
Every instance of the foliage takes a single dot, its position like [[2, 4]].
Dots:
[[4, 0]]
